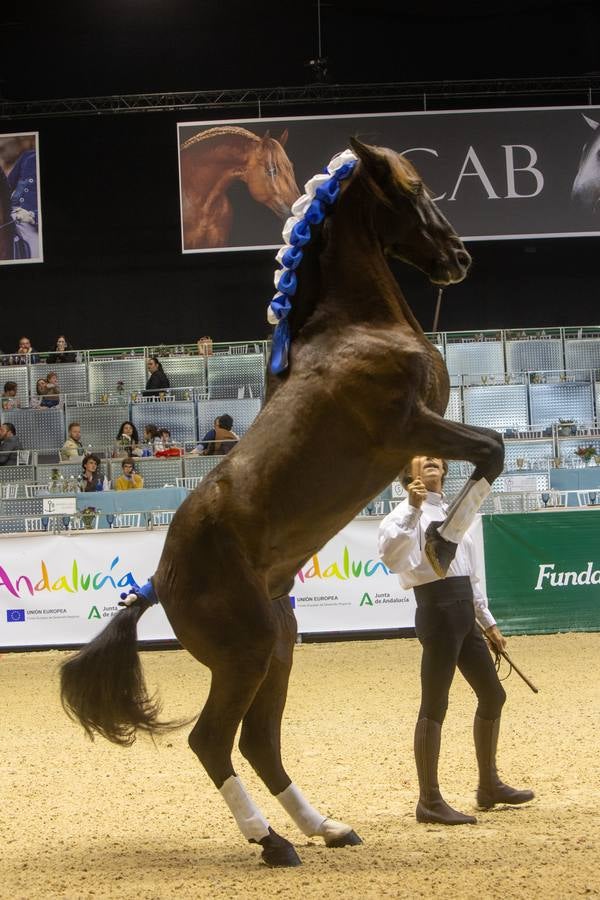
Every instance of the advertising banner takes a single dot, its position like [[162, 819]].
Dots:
[[543, 571], [20, 206], [496, 174], [57, 590]]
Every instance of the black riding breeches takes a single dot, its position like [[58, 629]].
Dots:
[[450, 637]]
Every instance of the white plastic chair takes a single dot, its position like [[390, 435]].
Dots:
[[10, 490], [127, 520], [189, 482], [23, 457], [162, 516], [588, 498], [35, 524], [37, 490]]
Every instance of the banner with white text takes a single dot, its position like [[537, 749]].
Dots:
[[496, 174]]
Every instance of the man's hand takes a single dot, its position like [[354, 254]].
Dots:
[[417, 492], [496, 638], [24, 216]]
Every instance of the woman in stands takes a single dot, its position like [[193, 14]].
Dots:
[[127, 441], [91, 478], [63, 352]]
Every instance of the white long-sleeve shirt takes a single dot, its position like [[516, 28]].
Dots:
[[402, 549]]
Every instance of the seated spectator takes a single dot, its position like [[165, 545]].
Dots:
[[9, 444], [205, 346], [50, 397], [127, 441], [158, 381], [72, 447], [151, 439], [9, 397], [220, 439], [164, 440], [25, 353], [129, 480], [91, 478], [63, 352], [40, 392]]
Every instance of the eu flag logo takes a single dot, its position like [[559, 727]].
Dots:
[[15, 615]]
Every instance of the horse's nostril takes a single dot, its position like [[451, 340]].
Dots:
[[463, 258]]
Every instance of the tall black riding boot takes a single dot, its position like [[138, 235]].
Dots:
[[431, 806], [491, 790]]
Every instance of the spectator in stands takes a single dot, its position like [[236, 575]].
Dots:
[[164, 440], [91, 478], [205, 346], [129, 480], [151, 439], [72, 447], [9, 397], [63, 352], [25, 353], [220, 439], [9, 444], [40, 392], [127, 441], [158, 380], [51, 397]]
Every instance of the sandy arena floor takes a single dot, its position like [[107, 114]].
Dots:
[[92, 820]]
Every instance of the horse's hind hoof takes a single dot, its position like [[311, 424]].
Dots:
[[351, 839], [277, 852]]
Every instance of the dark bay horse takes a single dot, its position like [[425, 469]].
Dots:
[[211, 161], [364, 391], [7, 228]]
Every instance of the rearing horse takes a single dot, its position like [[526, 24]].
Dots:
[[363, 392], [211, 161]]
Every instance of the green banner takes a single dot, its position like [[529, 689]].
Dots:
[[543, 571]]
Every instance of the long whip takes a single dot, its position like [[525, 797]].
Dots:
[[505, 656], [438, 305]]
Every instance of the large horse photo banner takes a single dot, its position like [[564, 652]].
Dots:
[[20, 207], [496, 174]]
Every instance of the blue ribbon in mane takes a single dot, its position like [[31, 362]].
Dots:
[[321, 195]]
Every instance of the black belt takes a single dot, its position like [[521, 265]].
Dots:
[[458, 587]]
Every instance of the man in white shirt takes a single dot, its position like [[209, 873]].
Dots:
[[449, 614]]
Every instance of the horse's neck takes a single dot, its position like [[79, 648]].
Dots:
[[216, 167]]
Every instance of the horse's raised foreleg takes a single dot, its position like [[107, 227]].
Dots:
[[233, 686], [260, 740], [442, 438]]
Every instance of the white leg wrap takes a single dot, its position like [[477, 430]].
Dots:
[[464, 509], [249, 818], [309, 820]]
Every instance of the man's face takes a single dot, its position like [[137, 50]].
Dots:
[[3, 432], [24, 345], [152, 366], [128, 469], [75, 432], [430, 469]]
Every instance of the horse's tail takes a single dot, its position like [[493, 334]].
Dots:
[[103, 685]]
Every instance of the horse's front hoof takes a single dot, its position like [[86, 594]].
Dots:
[[277, 852], [351, 839]]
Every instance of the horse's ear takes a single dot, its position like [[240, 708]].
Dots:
[[372, 159], [283, 139], [266, 136]]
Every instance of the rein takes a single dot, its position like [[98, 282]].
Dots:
[[6, 224], [321, 192]]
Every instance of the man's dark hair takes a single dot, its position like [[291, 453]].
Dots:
[[10, 386], [10, 427], [226, 422]]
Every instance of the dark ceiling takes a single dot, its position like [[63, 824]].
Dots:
[[98, 47]]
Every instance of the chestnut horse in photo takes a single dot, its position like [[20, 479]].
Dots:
[[7, 228], [364, 391], [211, 160]]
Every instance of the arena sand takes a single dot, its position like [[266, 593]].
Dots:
[[81, 819]]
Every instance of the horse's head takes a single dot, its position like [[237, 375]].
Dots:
[[405, 219], [585, 192], [270, 175]]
